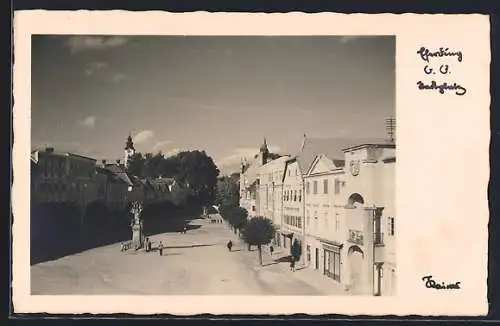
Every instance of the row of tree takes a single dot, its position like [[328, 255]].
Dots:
[[193, 168]]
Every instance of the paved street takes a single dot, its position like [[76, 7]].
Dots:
[[196, 263]]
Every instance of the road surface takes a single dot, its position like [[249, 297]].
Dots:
[[195, 263]]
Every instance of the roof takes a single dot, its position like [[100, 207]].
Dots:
[[330, 147], [121, 173], [380, 144], [57, 153], [252, 171]]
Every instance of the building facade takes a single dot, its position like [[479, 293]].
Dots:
[[270, 189], [325, 234], [350, 219], [293, 227], [249, 181], [63, 178]]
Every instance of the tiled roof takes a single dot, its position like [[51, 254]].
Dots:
[[330, 147]]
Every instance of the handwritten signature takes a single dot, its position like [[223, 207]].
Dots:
[[441, 88], [431, 284], [425, 54]]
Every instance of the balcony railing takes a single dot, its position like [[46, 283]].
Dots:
[[378, 239], [355, 236]]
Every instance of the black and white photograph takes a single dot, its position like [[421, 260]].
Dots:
[[250, 164], [213, 165]]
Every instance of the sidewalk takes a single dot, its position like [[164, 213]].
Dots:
[[273, 271]]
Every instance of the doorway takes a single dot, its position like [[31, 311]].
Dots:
[[316, 260]]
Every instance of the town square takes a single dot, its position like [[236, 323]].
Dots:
[[213, 166]]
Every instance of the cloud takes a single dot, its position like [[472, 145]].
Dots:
[[84, 43], [88, 122], [94, 67], [172, 152], [160, 144], [118, 77], [143, 136]]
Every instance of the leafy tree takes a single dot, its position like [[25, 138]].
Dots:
[[227, 193], [257, 232], [296, 250], [237, 217], [199, 171], [136, 164]]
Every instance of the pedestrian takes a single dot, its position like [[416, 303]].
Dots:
[[230, 245], [122, 247], [292, 265], [271, 249], [185, 229], [160, 248], [147, 244]]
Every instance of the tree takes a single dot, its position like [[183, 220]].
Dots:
[[136, 164], [257, 232], [296, 250], [199, 171], [227, 193], [237, 217]]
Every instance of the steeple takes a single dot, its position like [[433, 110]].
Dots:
[[263, 148], [129, 150], [264, 152], [130, 143]]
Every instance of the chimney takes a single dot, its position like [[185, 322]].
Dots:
[[49, 149], [103, 162]]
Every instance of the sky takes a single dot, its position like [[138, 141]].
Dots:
[[221, 94]]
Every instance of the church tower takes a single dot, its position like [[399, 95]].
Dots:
[[129, 149], [264, 152]]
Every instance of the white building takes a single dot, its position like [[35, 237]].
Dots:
[[270, 189], [349, 211]]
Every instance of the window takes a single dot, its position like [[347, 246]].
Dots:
[[331, 267], [337, 186], [300, 195], [295, 195], [315, 187], [289, 172], [308, 250], [391, 226], [253, 208], [308, 219], [326, 220], [307, 187], [325, 186], [337, 221]]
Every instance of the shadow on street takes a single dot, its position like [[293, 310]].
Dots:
[[59, 230]]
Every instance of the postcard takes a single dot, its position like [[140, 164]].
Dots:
[[237, 163]]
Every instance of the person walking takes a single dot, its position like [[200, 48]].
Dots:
[[292, 265], [230, 245], [271, 249], [160, 248]]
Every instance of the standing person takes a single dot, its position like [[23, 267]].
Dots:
[[160, 248], [230, 245], [271, 249], [292, 265], [147, 244]]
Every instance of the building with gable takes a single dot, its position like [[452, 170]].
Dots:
[[249, 180], [349, 209]]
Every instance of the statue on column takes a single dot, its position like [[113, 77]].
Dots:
[[137, 225]]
